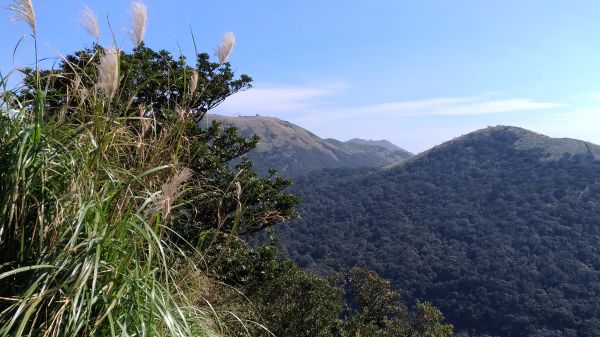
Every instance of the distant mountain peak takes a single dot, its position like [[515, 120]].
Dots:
[[553, 147], [520, 138], [293, 150], [381, 143]]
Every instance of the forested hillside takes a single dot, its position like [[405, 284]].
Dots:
[[295, 151], [499, 228]]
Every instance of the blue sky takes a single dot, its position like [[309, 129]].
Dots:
[[414, 72]]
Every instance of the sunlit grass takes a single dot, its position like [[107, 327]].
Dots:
[[85, 248]]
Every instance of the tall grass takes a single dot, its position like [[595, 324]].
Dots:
[[84, 242]]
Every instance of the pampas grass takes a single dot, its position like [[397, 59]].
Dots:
[[81, 253], [138, 15], [108, 72], [171, 190], [226, 47], [193, 83], [23, 10], [89, 21]]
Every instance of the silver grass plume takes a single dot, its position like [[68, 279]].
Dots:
[[108, 72], [89, 21], [193, 83], [171, 190], [182, 113], [23, 10], [138, 15], [144, 126], [226, 46]]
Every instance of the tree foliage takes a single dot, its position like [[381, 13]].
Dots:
[[153, 80], [295, 302]]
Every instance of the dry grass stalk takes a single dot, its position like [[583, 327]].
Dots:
[[89, 21], [23, 10], [226, 47], [171, 190], [182, 113], [80, 91], [238, 190], [144, 127], [193, 83], [73, 90], [145, 123], [138, 16], [75, 86], [108, 72]]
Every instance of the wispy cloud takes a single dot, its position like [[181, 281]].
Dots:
[[316, 100], [280, 100], [447, 106]]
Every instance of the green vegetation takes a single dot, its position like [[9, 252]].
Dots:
[[500, 234], [121, 217], [294, 302]]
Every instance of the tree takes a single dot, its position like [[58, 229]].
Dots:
[[289, 300], [159, 92], [374, 309], [154, 80]]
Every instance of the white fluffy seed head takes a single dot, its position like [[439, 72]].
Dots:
[[226, 47], [89, 21], [108, 72], [138, 14], [171, 190], [193, 83], [23, 10]]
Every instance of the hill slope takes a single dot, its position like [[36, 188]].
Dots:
[[382, 143], [294, 151], [499, 228]]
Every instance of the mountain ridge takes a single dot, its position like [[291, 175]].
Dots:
[[553, 147], [295, 151]]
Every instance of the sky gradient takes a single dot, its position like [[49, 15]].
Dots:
[[414, 72]]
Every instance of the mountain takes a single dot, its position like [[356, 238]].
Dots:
[[499, 228], [382, 143], [294, 151]]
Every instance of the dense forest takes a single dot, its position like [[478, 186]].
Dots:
[[498, 228]]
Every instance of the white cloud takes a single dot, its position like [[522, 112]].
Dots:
[[459, 106], [313, 100], [279, 100]]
